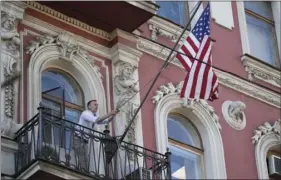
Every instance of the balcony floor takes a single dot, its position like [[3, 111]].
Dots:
[[45, 170]]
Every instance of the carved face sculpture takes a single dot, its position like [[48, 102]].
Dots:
[[127, 70], [8, 23]]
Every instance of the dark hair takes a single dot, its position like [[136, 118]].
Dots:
[[89, 102]]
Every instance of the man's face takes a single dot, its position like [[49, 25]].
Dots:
[[94, 106]]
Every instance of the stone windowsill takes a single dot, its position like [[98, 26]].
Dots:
[[259, 70]]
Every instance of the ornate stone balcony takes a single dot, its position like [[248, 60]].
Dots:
[[49, 146]]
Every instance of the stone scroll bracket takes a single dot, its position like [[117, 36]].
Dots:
[[125, 85], [11, 15]]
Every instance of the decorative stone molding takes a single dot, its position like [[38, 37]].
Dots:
[[52, 30], [161, 27], [249, 89], [66, 19], [69, 48], [233, 113], [257, 69], [205, 124], [11, 14], [126, 86], [154, 49], [265, 130], [47, 52], [170, 89], [265, 137], [225, 79]]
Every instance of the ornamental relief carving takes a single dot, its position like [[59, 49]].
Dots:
[[125, 88], [170, 88], [10, 58], [266, 129], [233, 113], [68, 46], [160, 27], [261, 71]]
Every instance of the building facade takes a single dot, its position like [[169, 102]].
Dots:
[[67, 53]]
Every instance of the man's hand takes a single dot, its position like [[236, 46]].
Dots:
[[114, 112]]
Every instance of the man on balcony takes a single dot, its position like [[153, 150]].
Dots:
[[88, 119]]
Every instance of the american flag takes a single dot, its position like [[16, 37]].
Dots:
[[200, 82]]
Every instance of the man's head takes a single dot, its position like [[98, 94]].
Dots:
[[92, 105]]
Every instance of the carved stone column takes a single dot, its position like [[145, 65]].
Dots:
[[125, 86], [11, 14]]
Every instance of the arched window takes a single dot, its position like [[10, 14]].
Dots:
[[186, 147], [52, 98], [74, 98]]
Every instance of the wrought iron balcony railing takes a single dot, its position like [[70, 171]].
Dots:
[[55, 140]]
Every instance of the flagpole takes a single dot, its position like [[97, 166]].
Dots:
[[158, 74]]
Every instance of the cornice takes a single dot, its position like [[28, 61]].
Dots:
[[161, 27], [225, 79], [66, 19], [261, 71]]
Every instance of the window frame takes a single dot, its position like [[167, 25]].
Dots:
[[188, 147], [242, 11], [58, 100], [187, 14], [67, 104]]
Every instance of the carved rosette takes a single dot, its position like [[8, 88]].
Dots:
[[266, 129], [69, 48], [169, 89], [233, 113]]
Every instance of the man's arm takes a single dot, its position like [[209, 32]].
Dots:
[[106, 121], [111, 115]]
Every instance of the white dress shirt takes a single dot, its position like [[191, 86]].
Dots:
[[88, 119]]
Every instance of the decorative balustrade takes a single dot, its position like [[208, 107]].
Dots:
[[55, 140]]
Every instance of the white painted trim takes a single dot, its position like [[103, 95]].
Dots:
[[265, 137], [261, 71], [261, 150], [221, 12], [49, 56], [277, 19], [201, 118], [243, 27], [22, 92]]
